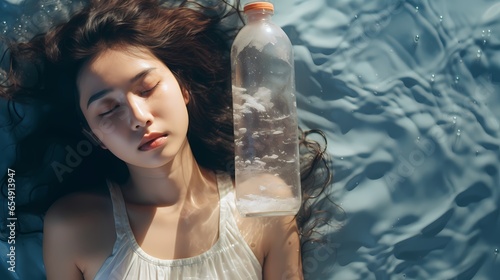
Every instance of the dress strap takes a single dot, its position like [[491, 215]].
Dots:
[[119, 210]]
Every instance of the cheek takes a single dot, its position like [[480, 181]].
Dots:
[[102, 128], [166, 102], [98, 128], [108, 130], [116, 142]]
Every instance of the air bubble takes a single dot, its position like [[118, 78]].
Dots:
[[416, 9], [479, 52], [440, 18], [4, 27], [496, 251], [417, 38], [483, 34], [459, 132], [432, 78], [457, 79]]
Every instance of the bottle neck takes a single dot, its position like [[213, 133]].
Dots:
[[258, 15]]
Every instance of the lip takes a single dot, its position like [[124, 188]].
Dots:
[[152, 140]]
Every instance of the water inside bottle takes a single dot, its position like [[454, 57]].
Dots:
[[266, 165]]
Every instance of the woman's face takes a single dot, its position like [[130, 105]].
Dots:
[[134, 105]]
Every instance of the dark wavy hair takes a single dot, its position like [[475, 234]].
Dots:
[[189, 38]]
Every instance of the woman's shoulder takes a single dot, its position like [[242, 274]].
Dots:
[[81, 205], [78, 217], [78, 234]]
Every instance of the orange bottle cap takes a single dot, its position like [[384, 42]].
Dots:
[[258, 5]]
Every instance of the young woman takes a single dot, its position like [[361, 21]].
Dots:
[[151, 86]]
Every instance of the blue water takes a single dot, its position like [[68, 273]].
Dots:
[[408, 93]]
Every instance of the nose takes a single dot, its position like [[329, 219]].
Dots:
[[139, 112]]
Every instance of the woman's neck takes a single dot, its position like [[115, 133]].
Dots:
[[172, 185]]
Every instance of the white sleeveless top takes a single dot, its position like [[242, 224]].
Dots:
[[229, 258]]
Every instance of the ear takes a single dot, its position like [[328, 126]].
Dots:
[[186, 96], [93, 138]]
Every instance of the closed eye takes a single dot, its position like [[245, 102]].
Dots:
[[146, 92], [109, 112]]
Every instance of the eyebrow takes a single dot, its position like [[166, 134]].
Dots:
[[100, 94]]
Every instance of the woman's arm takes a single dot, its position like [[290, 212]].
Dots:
[[59, 242], [283, 259], [78, 236]]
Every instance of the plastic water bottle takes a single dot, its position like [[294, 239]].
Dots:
[[267, 167]]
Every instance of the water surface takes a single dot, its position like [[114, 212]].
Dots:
[[408, 93]]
